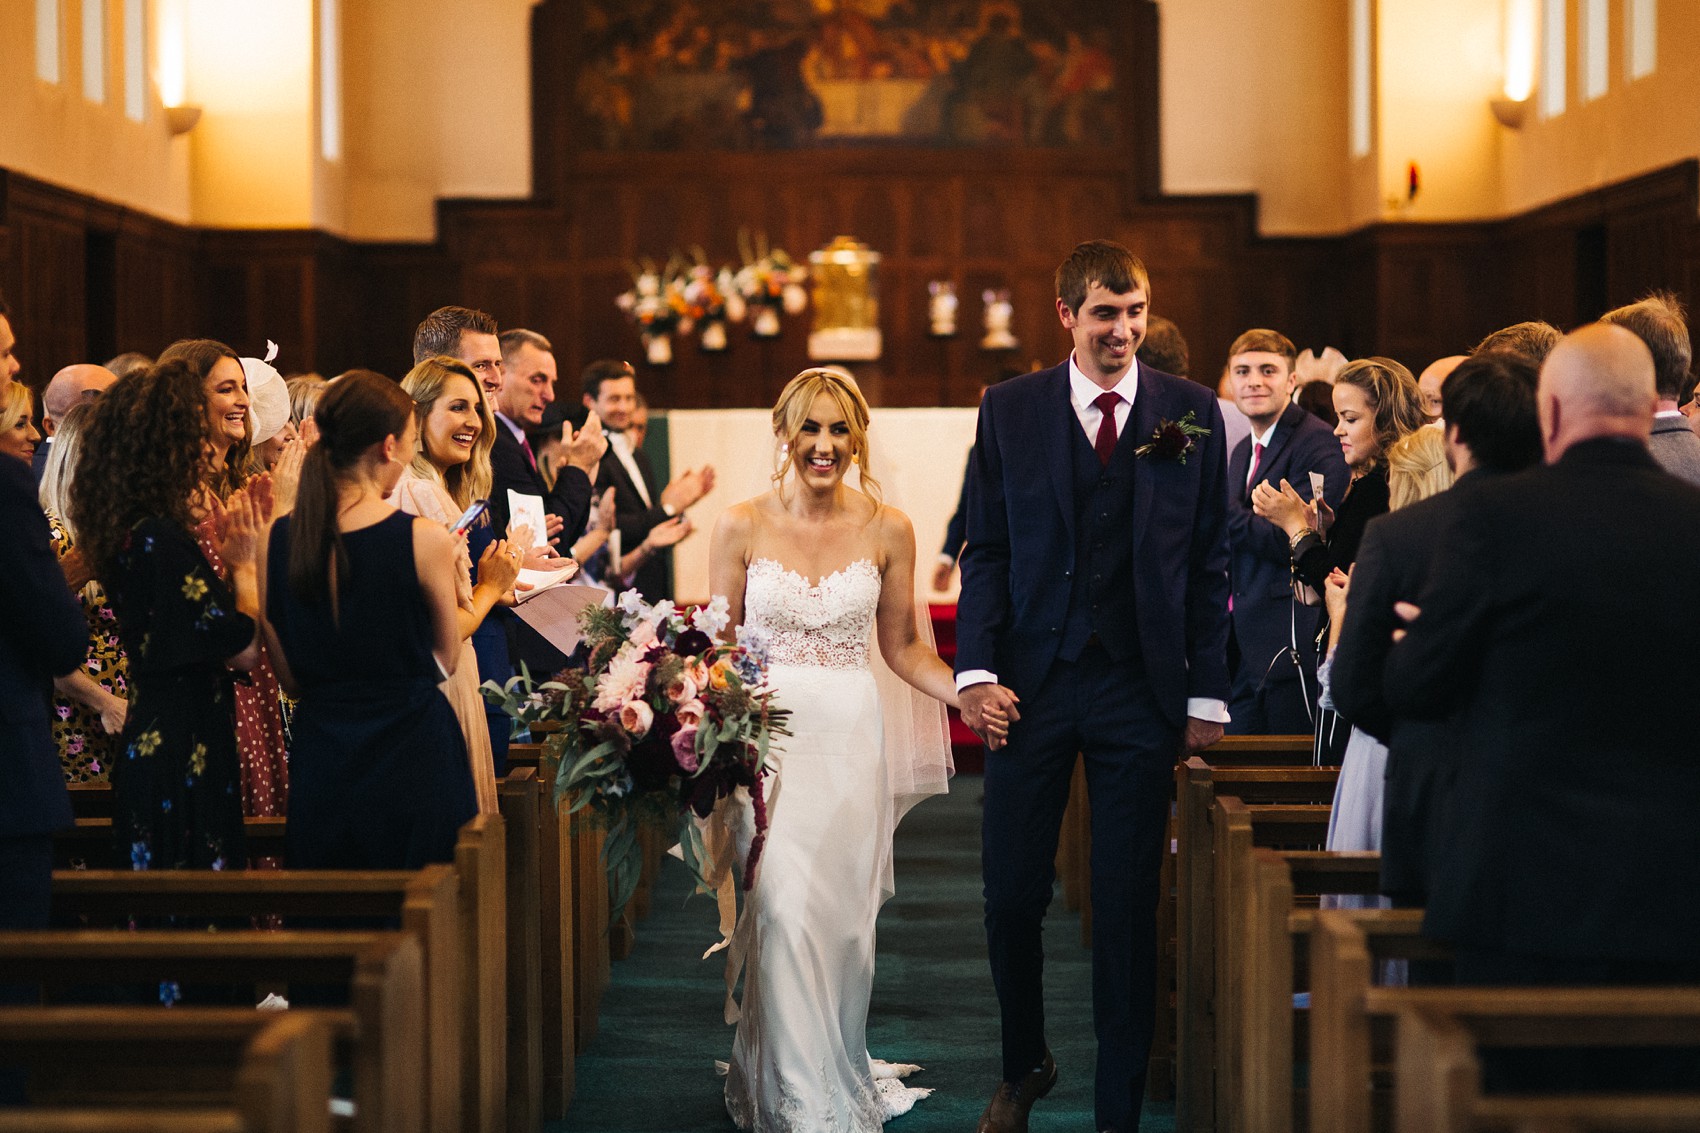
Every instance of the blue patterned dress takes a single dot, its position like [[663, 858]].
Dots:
[[177, 779]]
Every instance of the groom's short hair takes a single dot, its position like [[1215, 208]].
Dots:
[[1102, 262]]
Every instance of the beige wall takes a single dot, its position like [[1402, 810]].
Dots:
[[50, 132], [1254, 100], [437, 101], [1634, 128]]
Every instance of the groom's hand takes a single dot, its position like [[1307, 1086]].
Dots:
[[989, 709], [1200, 733]]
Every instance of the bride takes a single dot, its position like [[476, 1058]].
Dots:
[[817, 564]]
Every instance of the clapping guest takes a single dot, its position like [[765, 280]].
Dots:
[[184, 625], [1378, 402], [363, 620], [91, 703], [260, 733], [451, 470]]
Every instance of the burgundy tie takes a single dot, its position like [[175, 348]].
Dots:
[[1256, 459], [530, 457], [1105, 444]]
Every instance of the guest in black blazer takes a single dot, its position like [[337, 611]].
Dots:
[[1275, 637], [1560, 626], [640, 504], [42, 636], [1489, 413]]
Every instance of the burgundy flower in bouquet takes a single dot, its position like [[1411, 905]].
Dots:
[[661, 724]]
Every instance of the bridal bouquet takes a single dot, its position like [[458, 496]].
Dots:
[[661, 724]]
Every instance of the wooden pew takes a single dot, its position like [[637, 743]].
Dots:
[[426, 902], [89, 843], [1441, 1032], [1350, 1027], [109, 1068], [557, 942], [1197, 785], [481, 861], [384, 1023], [518, 795], [1264, 1031]]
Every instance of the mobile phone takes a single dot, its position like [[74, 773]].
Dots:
[[1316, 486], [470, 516]]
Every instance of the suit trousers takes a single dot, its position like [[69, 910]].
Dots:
[[1105, 712]]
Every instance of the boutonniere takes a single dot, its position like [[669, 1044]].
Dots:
[[1174, 440]]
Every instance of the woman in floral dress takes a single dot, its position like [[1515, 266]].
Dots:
[[176, 781], [89, 705]]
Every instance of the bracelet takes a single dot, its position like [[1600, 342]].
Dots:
[[1293, 543]]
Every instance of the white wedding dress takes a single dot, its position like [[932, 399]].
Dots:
[[800, 1059]]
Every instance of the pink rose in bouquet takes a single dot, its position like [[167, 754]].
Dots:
[[682, 688], [637, 718], [690, 713]]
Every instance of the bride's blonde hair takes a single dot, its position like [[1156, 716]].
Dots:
[[792, 409]]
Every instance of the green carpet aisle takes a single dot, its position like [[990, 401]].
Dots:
[[651, 1070]]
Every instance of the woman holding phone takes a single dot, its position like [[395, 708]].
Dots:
[[450, 473]]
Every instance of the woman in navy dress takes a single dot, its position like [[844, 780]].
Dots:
[[359, 604]]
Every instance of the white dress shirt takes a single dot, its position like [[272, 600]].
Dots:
[[1083, 392], [621, 447]]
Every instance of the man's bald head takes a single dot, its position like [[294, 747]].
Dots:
[[81, 382], [1597, 382], [1431, 379]]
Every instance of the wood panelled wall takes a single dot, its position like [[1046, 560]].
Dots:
[[87, 279]]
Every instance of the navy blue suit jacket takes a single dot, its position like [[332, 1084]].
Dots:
[[1018, 566], [1262, 560], [42, 636]]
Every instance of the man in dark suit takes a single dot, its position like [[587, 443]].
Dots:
[[42, 636], [1094, 617], [1559, 624], [73, 384], [640, 504], [1488, 404], [1658, 322], [1275, 684]]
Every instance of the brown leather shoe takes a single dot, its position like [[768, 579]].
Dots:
[[1007, 1111]]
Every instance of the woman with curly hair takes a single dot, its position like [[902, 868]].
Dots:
[[451, 470], [216, 371], [360, 611], [176, 782]]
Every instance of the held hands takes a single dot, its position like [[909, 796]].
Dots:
[[941, 577], [688, 487], [989, 709]]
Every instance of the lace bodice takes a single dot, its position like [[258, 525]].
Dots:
[[826, 626]]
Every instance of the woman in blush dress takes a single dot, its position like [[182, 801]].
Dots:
[[816, 566], [360, 613], [260, 732], [452, 470], [187, 630]]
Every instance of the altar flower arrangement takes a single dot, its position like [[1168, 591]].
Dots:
[[662, 723], [770, 281]]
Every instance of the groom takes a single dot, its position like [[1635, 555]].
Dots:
[[1094, 616]]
